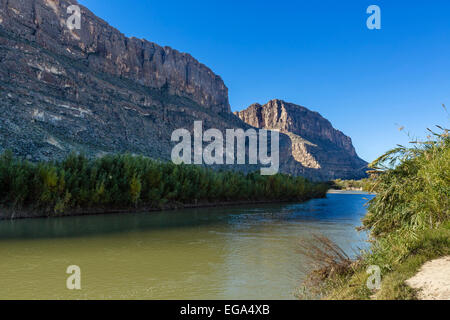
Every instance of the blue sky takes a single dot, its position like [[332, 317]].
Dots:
[[318, 54]]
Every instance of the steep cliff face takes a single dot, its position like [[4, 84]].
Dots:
[[104, 49], [93, 89], [315, 143], [96, 91], [288, 117]]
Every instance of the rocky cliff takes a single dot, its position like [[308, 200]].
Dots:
[[104, 49], [96, 91], [93, 89], [315, 143]]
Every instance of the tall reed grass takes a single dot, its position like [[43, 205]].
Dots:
[[126, 181], [408, 221], [412, 186]]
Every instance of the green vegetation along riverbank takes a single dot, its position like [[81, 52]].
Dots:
[[350, 185], [408, 220], [118, 183]]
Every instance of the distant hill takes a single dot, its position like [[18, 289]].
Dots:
[[315, 143]]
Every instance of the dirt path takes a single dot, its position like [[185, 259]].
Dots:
[[433, 280]]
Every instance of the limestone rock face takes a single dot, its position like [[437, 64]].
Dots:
[[96, 91], [315, 143], [104, 49], [93, 89]]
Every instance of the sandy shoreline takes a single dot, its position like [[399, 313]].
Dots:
[[433, 280], [335, 191]]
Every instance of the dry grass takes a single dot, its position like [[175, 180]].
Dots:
[[326, 259]]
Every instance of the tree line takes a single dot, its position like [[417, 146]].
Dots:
[[127, 181]]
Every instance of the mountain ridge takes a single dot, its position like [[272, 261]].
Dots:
[[96, 91], [315, 142]]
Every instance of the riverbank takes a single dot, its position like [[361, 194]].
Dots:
[[399, 261], [350, 185], [408, 221], [125, 183], [348, 191], [8, 213]]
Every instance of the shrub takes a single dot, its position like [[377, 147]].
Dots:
[[126, 181]]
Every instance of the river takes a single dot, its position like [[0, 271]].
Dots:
[[246, 252]]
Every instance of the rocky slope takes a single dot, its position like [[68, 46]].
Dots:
[[94, 88], [315, 143], [97, 91]]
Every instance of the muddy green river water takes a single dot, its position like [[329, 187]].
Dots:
[[247, 252]]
